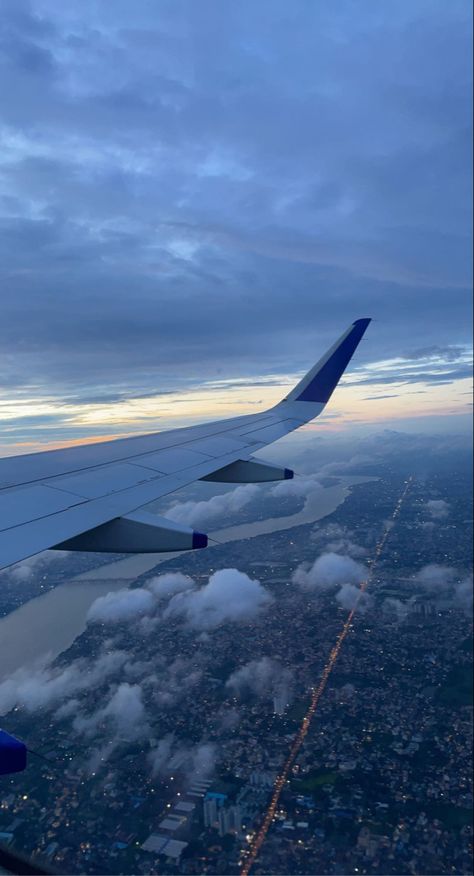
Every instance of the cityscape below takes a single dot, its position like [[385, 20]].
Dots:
[[294, 701]]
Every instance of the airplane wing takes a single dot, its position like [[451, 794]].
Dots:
[[91, 497]]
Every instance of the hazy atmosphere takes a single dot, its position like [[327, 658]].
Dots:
[[198, 198], [242, 647]]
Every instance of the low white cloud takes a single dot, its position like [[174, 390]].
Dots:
[[337, 539], [68, 709], [436, 578], [464, 593], [264, 677], [396, 609], [121, 719], [351, 596], [160, 755], [42, 688], [170, 754], [123, 714], [343, 467], [34, 565], [197, 514], [165, 586], [328, 571], [121, 605], [307, 487], [438, 509], [203, 761], [172, 681], [299, 487], [230, 595], [447, 583]]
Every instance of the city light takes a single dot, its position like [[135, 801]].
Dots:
[[317, 693]]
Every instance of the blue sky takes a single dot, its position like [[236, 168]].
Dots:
[[197, 198]]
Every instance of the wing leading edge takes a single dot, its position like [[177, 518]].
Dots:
[[87, 497]]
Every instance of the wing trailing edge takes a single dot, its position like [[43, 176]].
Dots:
[[91, 497]]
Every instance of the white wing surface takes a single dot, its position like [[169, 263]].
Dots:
[[90, 497]]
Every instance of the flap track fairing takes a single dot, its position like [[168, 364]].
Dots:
[[249, 471], [137, 533]]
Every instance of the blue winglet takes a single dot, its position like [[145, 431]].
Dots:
[[325, 378], [12, 754]]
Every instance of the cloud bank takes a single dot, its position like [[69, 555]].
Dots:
[[230, 595], [166, 202], [328, 571]]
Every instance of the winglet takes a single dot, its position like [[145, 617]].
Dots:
[[319, 383]]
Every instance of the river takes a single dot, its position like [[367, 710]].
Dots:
[[38, 631]]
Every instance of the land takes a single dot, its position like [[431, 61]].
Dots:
[[382, 783]]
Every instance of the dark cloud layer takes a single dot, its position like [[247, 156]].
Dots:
[[200, 189]]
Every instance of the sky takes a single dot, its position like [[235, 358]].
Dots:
[[196, 199]]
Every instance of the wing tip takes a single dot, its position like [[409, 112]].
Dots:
[[321, 381]]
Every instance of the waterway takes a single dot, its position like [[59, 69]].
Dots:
[[41, 629]]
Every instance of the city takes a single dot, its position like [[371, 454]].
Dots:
[[381, 781]]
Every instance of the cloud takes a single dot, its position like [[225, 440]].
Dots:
[[33, 566], [176, 174], [345, 466], [396, 608], [435, 577], [230, 595], [123, 714], [198, 513], [121, 719], [436, 375], [167, 585], [121, 605], [203, 761], [307, 487], [173, 680], [437, 508], [328, 571], [263, 677], [379, 397], [172, 755], [42, 688], [160, 754], [446, 583], [447, 353], [298, 487], [350, 596], [464, 593], [337, 540]]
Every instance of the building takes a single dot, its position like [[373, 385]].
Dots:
[[230, 820], [213, 802]]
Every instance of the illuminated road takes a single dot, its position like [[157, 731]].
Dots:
[[251, 853]]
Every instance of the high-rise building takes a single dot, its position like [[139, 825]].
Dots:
[[262, 779], [230, 820], [212, 804]]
